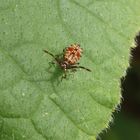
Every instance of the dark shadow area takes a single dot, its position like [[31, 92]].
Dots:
[[126, 125]]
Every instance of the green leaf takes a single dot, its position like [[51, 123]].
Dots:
[[34, 103]]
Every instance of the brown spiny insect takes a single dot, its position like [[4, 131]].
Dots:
[[69, 58]]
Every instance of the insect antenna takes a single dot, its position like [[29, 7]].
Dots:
[[49, 53]]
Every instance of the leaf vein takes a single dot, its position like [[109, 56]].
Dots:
[[101, 20], [38, 131]]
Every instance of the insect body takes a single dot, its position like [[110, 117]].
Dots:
[[72, 54], [69, 58]]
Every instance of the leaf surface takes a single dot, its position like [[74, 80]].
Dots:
[[34, 103]]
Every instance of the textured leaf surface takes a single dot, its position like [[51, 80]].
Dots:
[[33, 106]]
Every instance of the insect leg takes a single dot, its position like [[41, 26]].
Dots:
[[64, 50], [51, 63], [75, 67], [64, 76]]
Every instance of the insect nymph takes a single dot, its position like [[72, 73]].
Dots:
[[69, 58]]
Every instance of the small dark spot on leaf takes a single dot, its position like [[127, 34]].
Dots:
[[4, 33]]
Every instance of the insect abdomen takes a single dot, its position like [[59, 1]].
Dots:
[[72, 53]]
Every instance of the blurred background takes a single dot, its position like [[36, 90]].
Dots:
[[126, 125]]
